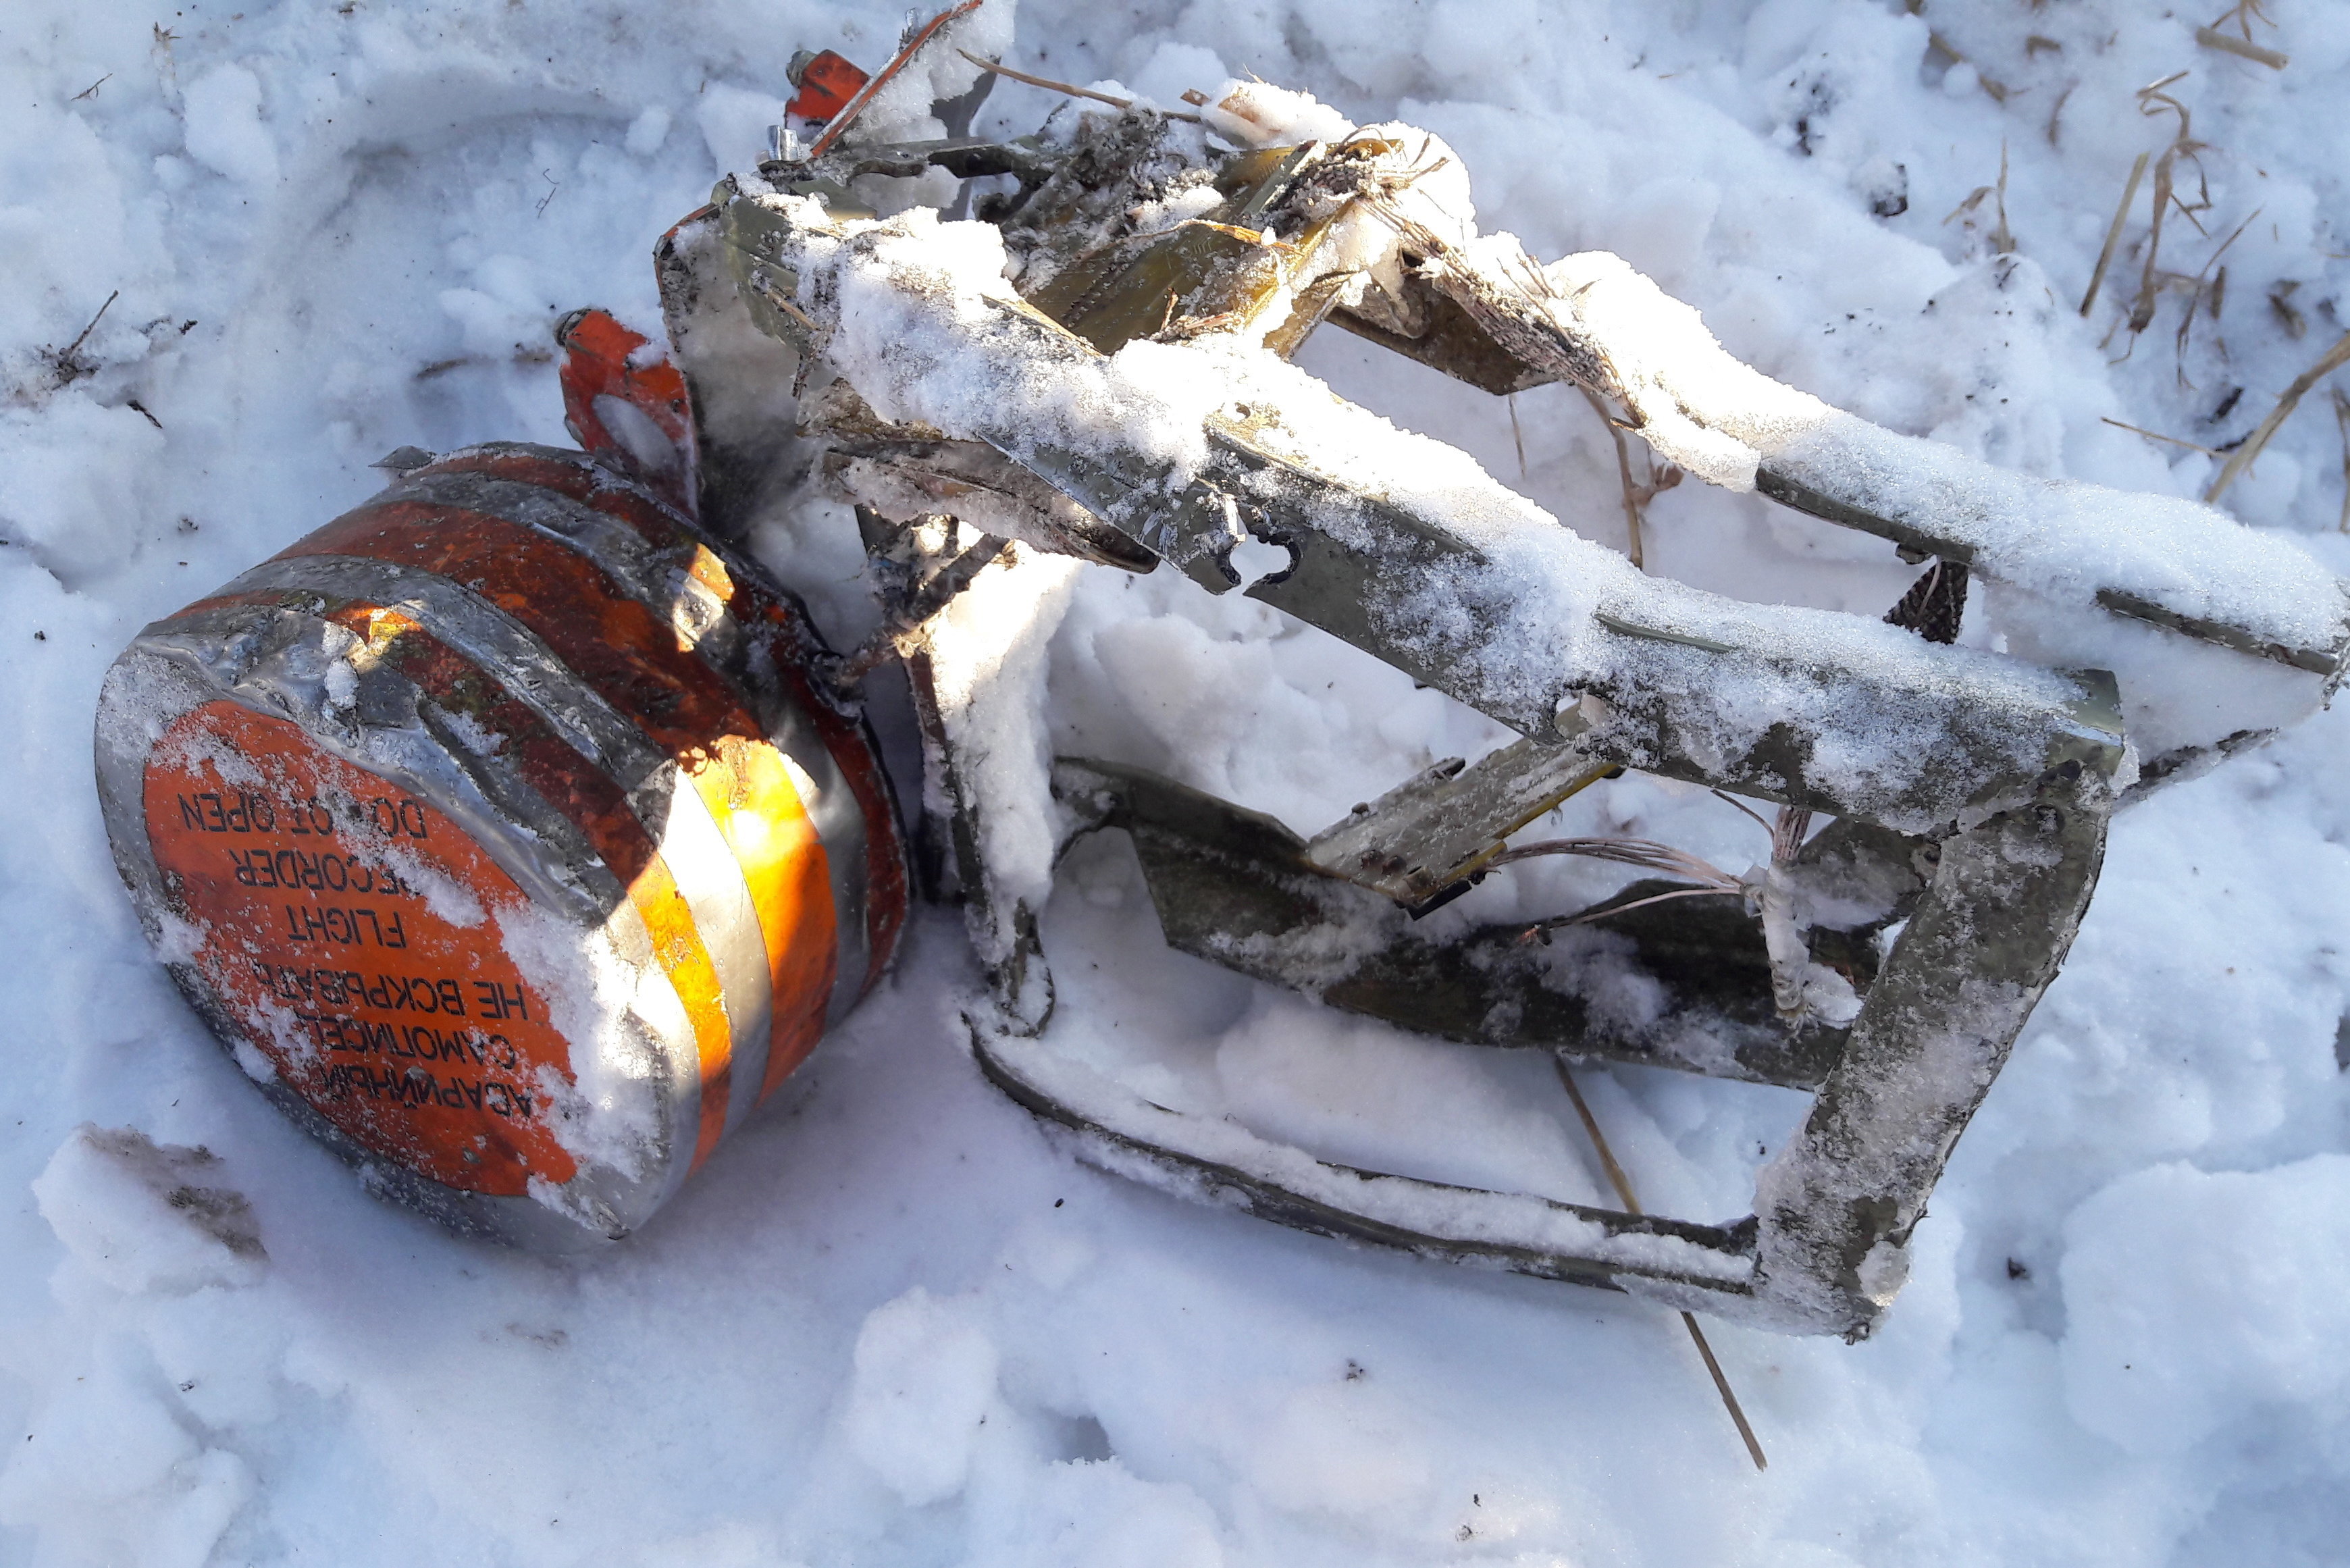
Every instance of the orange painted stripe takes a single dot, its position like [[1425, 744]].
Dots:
[[853, 749], [613, 829], [758, 809]]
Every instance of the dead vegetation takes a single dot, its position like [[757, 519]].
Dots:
[[2242, 458], [61, 367], [2154, 100], [2181, 191], [1638, 492], [2206, 289], [31, 379], [2114, 233], [2158, 435], [2002, 238], [2342, 424], [2243, 14], [1623, 1186], [522, 354]]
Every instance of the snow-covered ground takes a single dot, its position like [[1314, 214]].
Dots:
[[890, 1322]]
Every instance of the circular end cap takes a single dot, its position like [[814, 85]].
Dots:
[[358, 937]]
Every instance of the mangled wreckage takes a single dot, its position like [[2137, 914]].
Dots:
[[521, 835]]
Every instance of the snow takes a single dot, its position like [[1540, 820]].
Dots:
[[139, 1218], [925, 1371], [2217, 1243], [891, 1321]]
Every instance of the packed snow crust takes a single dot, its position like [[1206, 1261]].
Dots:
[[890, 1322]]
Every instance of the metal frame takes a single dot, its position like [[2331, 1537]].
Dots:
[[1981, 859]]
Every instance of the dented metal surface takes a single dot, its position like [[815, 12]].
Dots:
[[637, 870]]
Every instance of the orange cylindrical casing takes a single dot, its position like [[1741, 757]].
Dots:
[[501, 831]]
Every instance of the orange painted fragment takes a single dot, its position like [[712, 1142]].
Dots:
[[624, 398], [827, 84]]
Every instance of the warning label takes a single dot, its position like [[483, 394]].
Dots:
[[400, 1016]]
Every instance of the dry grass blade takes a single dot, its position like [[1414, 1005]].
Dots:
[[1616, 1177], [2216, 291], [2242, 49], [2282, 306], [2002, 240], [2141, 311], [2342, 423], [1751, 814], [2243, 13], [1623, 1185], [1632, 546], [2114, 233], [2154, 100], [2242, 458], [66, 365], [82, 337], [2056, 115], [1049, 85], [1637, 495], [2156, 435]]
